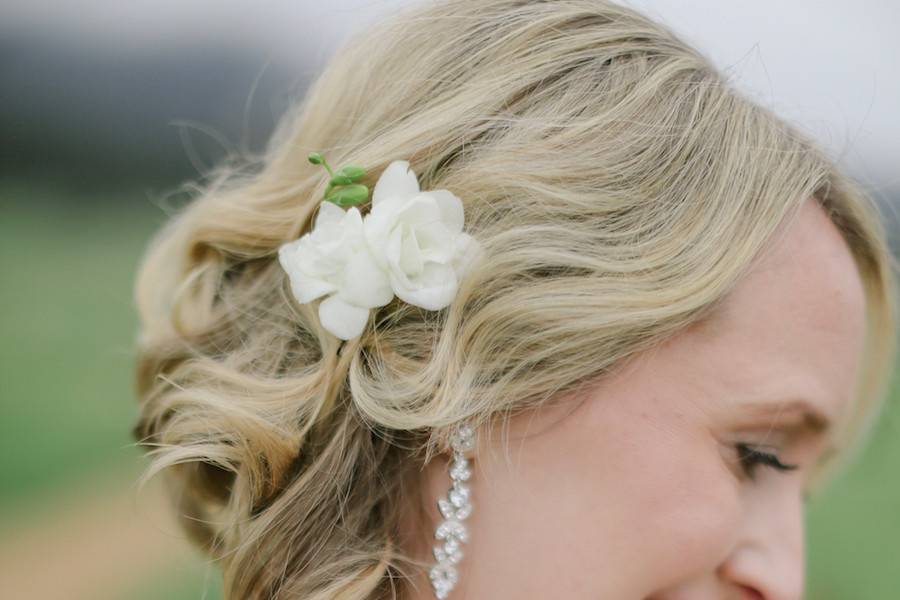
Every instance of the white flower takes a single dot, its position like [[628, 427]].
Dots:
[[411, 244], [417, 239], [334, 259]]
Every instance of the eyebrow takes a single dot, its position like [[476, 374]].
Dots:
[[811, 418], [807, 419]]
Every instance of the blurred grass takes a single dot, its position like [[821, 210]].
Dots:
[[67, 406], [854, 526], [68, 325], [195, 581]]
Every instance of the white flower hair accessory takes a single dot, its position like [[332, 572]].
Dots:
[[410, 244]]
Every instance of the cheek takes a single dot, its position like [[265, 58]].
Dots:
[[685, 509], [643, 503]]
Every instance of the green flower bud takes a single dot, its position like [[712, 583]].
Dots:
[[347, 175], [339, 179], [352, 172], [349, 195], [315, 158]]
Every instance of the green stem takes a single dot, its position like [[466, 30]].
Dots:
[[325, 164]]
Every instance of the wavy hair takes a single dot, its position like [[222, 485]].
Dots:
[[620, 187]]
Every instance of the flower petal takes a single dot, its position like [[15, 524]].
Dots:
[[436, 242], [410, 253], [468, 253], [353, 221], [419, 209], [287, 253], [393, 248], [365, 282], [397, 181], [329, 213], [433, 290], [342, 319], [377, 228], [452, 213], [305, 287]]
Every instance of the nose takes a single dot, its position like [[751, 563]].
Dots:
[[768, 562]]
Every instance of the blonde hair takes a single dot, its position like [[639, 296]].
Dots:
[[620, 188]]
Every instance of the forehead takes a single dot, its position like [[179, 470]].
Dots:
[[792, 328], [794, 325]]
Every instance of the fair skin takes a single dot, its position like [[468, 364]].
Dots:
[[638, 492]]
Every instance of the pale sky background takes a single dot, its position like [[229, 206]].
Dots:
[[829, 65]]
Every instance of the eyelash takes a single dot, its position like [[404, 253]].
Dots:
[[750, 458]]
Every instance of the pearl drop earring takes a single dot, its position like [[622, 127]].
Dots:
[[455, 508]]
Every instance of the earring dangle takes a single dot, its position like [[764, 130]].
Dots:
[[454, 508]]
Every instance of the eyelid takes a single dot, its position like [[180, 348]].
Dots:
[[751, 456], [773, 435], [763, 450]]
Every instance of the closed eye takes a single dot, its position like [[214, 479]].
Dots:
[[751, 457]]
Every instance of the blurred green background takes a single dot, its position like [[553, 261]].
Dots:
[[100, 122]]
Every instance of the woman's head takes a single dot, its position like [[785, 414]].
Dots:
[[635, 211], [651, 484]]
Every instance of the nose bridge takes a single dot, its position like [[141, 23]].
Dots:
[[770, 554]]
